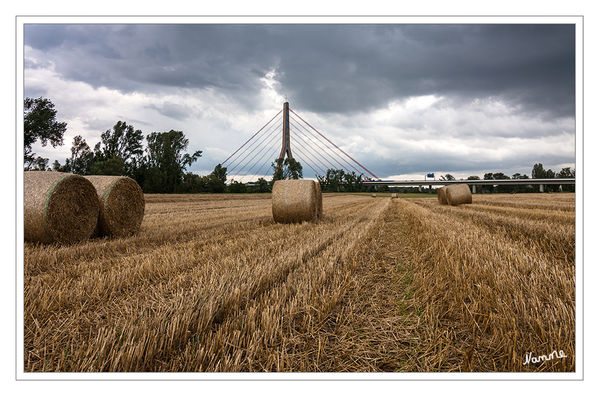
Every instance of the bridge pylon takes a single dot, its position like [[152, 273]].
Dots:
[[314, 149], [286, 142]]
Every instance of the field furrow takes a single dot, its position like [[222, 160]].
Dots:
[[212, 283], [548, 236], [110, 292], [500, 300]]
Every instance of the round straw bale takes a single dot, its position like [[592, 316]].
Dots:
[[58, 207], [319, 200], [458, 194], [122, 205], [394, 195], [294, 201], [442, 195], [373, 195]]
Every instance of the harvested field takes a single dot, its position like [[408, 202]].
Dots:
[[212, 283]]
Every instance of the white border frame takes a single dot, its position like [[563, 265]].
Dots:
[[578, 21]]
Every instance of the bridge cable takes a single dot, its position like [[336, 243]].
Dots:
[[315, 155], [314, 170], [273, 138], [350, 163], [316, 173], [280, 111], [240, 173], [362, 166], [326, 150], [267, 146], [330, 150], [259, 172], [272, 132], [255, 144]]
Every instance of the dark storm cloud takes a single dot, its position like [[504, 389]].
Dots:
[[325, 68]]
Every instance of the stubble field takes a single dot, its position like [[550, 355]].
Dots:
[[211, 283]]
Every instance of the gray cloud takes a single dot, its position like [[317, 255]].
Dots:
[[325, 68], [492, 82], [172, 110]]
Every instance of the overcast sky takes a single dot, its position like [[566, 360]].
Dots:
[[402, 99]]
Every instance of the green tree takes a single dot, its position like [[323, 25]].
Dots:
[[520, 188], [566, 173], [113, 166], [278, 170], [293, 168], [192, 183], [167, 161], [153, 179], [58, 167], [549, 174], [490, 188], [473, 178], [81, 159], [214, 184], [81, 156], [220, 173], [335, 180], [286, 169], [39, 121], [502, 188], [538, 172], [216, 181], [352, 181], [237, 187], [119, 151], [38, 164], [262, 185]]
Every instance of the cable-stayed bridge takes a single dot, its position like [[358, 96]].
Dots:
[[253, 159], [273, 141]]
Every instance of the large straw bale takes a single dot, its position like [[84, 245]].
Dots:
[[458, 194], [319, 200], [58, 207], [394, 195], [122, 205], [294, 201], [442, 195]]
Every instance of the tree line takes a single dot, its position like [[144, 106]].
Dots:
[[161, 167], [538, 172]]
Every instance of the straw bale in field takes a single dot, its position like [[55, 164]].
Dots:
[[122, 205], [442, 195], [294, 201], [58, 207], [373, 195], [319, 199], [394, 195], [458, 194]]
